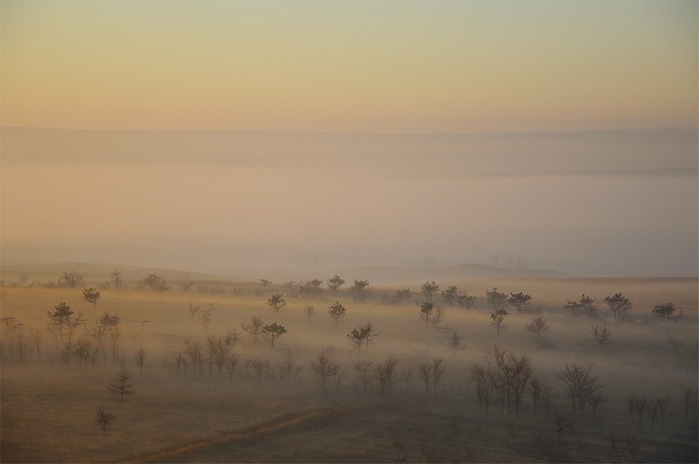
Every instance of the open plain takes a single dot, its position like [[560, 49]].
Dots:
[[376, 403]]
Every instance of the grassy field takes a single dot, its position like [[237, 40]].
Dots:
[[48, 408]]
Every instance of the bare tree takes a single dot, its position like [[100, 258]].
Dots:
[[219, 349], [116, 277], [253, 328], [361, 372], [688, 395], [618, 304], [91, 295], [231, 364], [140, 359], [482, 377], [259, 366], [640, 405], [194, 354], [560, 422], [85, 350], [581, 384], [437, 372], [407, 374], [324, 369], [193, 309], [290, 368], [603, 335], [337, 311], [309, 311], [205, 317], [424, 373], [455, 342], [36, 336], [511, 376], [277, 301], [383, 374], [103, 419], [70, 279]]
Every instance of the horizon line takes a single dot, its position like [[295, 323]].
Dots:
[[368, 134]]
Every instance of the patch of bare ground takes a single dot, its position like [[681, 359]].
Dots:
[[427, 433]]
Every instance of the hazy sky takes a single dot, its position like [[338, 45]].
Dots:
[[388, 66], [598, 203]]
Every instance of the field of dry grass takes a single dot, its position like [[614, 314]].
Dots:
[[48, 408]]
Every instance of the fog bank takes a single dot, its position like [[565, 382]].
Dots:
[[617, 203]]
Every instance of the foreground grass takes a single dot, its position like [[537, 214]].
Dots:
[[48, 409]]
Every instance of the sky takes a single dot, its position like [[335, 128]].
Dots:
[[334, 66], [254, 137]]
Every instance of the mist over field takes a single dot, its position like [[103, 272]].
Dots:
[[283, 205]]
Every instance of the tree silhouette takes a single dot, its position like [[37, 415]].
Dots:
[[91, 295], [103, 419], [337, 311], [122, 385], [274, 331], [618, 304], [277, 301]]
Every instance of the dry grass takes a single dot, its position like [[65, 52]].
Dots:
[[48, 409]]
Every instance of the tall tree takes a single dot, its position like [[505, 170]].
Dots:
[[581, 384], [497, 318], [274, 331], [324, 369], [62, 324], [116, 277]]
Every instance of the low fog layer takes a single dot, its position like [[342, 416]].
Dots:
[[620, 203]]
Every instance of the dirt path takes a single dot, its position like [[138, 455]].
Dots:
[[279, 424]]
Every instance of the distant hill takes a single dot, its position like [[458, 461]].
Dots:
[[376, 274], [414, 275], [97, 272]]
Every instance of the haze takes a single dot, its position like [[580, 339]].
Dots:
[[284, 139]]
